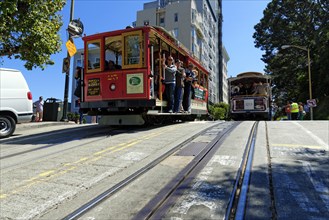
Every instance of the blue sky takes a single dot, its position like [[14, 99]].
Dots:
[[240, 17]]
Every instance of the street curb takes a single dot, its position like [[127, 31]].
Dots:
[[32, 125]]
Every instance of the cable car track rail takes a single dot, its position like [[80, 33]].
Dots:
[[111, 191], [236, 207], [158, 206]]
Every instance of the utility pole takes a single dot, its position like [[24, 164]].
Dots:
[[220, 51], [67, 74]]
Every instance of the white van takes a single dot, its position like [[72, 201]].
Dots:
[[15, 101]]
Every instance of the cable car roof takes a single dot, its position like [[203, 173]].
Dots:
[[250, 76]]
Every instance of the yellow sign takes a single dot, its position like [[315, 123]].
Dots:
[[71, 48]]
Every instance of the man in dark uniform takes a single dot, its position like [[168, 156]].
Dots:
[[187, 88]]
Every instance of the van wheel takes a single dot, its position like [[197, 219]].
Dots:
[[7, 126]]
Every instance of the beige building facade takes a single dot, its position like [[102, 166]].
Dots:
[[225, 88], [194, 24]]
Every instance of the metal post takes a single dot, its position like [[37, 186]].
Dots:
[[67, 74], [152, 71], [309, 80]]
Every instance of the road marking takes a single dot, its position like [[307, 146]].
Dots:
[[108, 149], [288, 184], [65, 168], [318, 183], [47, 173], [316, 138], [297, 146]]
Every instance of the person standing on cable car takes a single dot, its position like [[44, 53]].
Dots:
[[170, 82], [180, 75], [187, 88]]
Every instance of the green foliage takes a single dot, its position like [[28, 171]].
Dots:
[[303, 23], [73, 116], [219, 111], [322, 109], [29, 30]]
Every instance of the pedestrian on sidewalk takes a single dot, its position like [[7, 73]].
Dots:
[[301, 111], [294, 110], [288, 110], [39, 111]]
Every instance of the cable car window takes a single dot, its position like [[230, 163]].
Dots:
[[133, 50], [93, 56], [113, 53]]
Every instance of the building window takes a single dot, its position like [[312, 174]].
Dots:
[[79, 63], [176, 17], [193, 15], [146, 22], [193, 32], [162, 21], [176, 32], [162, 3]]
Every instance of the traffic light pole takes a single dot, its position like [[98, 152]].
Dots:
[[67, 74]]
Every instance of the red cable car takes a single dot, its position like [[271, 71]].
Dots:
[[122, 78]]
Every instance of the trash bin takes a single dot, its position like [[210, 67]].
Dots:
[[52, 109]]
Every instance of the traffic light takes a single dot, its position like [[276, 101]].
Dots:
[[66, 65]]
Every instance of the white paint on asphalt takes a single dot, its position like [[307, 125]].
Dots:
[[325, 199], [304, 202], [194, 198], [133, 156], [318, 184], [99, 178], [69, 194], [316, 138], [32, 214], [224, 160], [285, 150], [300, 197], [204, 193]]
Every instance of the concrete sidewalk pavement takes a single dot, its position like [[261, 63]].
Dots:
[[28, 125]]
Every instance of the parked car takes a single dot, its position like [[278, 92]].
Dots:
[[15, 101]]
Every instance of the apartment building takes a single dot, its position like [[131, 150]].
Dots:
[[225, 90], [194, 24]]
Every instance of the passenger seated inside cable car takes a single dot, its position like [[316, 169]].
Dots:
[[242, 89], [259, 88]]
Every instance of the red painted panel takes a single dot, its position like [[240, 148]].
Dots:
[[97, 85]]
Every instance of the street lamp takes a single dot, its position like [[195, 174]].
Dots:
[[309, 71]]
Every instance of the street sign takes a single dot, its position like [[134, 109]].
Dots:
[[311, 103], [75, 28], [71, 47]]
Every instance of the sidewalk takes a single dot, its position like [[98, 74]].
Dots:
[[23, 126]]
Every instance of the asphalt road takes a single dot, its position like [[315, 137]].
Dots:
[[289, 180]]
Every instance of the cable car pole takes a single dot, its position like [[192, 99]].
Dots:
[[67, 74]]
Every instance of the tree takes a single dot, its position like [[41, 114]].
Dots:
[[219, 111], [295, 22], [29, 30]]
